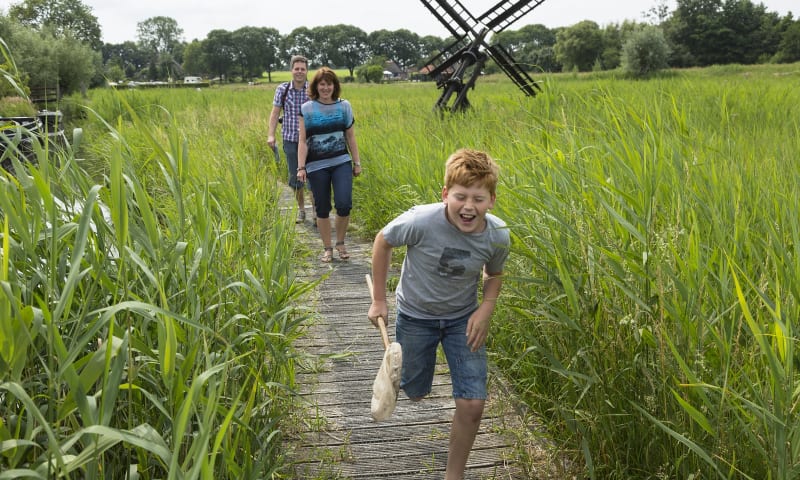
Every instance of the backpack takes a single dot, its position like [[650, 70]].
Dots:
[[283, 99]]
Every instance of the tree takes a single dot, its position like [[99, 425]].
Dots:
[[342, 45], [114, 73], [325, 40], [789, 49], [612, 46], [62, 17], [299, 42], [531, 46], [543, 59], [579, 46], [431, 45], [708, 32], [695, 29], [645, 52], [77, 65], [751, 32], [254, 48], [161, 36], [219, 51], [402, 46], [614, 37], [527, 37], [193, 58], [129, 56], [66, 63], [271, 58], [18, 84]]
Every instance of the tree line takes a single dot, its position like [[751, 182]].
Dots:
[[60, 41]]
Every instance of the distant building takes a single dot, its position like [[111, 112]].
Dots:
[[392, 71]]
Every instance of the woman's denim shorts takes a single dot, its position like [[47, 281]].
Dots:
[[420, 338]]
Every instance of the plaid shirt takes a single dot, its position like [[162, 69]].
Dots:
[[291, 110]]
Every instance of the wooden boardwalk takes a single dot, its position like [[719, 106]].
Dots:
[[341, 440]]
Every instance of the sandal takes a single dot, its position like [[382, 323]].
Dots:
[[340, 248], [301, 216], [327, 255]]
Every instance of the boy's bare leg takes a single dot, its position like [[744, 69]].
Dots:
[[466, 422]]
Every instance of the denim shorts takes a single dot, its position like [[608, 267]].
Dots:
[[420, 339]]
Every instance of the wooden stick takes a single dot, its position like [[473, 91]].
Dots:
[[384, 333], [381, 320]]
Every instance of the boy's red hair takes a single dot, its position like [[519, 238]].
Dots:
[[467, 167]]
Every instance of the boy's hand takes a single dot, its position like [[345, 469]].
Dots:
[[477, 330], [377, 309]]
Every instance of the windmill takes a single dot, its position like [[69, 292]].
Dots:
[[459, 64]]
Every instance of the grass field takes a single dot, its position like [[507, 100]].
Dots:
[[647, 318]]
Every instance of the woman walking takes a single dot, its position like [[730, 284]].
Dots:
[[328, 157]]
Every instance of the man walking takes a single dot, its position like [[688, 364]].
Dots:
[[289, 97]]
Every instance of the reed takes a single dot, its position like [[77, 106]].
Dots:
[[651, 296], [149, 303], [649, 309]]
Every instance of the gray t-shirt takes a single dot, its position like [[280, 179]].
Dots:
[[443, 266]]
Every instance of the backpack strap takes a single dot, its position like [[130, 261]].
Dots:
[[285, 93]]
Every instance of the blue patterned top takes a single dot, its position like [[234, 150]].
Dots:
[[326, 124]]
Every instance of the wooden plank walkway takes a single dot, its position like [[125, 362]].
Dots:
[[341, 440]]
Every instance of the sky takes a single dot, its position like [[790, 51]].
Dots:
[[118, 18]]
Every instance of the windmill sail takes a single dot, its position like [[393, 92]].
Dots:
[[520, 78], [457, 66], [453, 15], [447, 57], [506, 12]]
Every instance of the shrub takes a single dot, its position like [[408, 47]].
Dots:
[[645, 52], [370, 73], [16, 107], [789, 50]]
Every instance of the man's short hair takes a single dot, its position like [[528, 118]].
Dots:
[[297, 58]]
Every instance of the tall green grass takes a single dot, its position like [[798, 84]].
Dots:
[[650, 302], [652, 294], [149, 303]]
